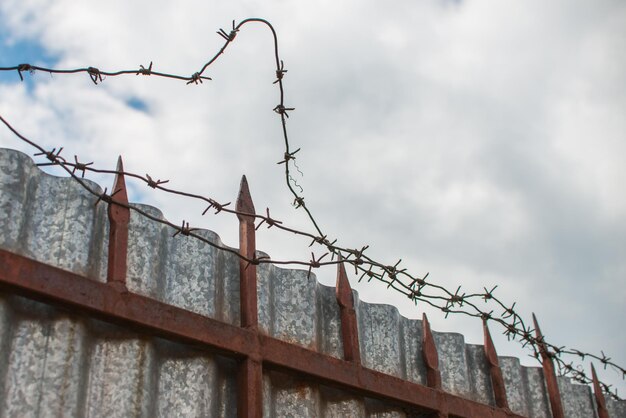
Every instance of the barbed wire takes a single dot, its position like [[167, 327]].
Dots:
[[412, 286]]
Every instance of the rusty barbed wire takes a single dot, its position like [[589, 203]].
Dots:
[[414, 287]]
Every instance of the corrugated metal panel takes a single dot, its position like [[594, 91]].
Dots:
[[57, 363]]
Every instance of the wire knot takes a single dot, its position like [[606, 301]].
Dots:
[[154, 184], [104, 197], [229, 37], [288, 156], [298, 202], [214, 204], [282, 110], [315, 263], [145, 71], [94, 74], [184, 230], [80, 167], [195, 78], [256, 260], [24, 67], [268, 220], [280, 73], [53, 155]]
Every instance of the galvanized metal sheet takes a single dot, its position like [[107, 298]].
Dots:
[[58, 363]]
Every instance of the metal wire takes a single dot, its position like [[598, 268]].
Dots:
[[412, 286]]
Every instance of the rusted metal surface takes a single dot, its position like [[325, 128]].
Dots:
[[250, 393], [183, 290], [599, 396], [50, 284], [431, 358], [497, 381], [549, 374], [119, 218], [27, 277], [349, 329], [247, 247]]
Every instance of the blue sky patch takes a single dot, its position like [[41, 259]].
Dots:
[[137, 104], [21, 52]]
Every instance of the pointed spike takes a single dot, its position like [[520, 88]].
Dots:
[[537, 329], [430, 350], [244, 200], [539, 336], [554, 394], [247, 248], [119, 218], [497, 381], [349, 326], [490, 349], [431, 358], [597, 391], [343, 289], [120, 190]]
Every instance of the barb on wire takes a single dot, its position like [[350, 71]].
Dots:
[[414, 287], [80, 166], [145, 71], [154, 184], [280, 72], [229, 37]]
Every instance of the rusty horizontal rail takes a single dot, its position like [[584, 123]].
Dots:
[[33, 279]]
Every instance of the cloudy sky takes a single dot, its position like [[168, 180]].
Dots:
[[483, 142]]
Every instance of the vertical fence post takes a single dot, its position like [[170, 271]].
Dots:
[[349, 327], [597, 391], [119, 217], [431, 358], [497, 381], [431, 361], [549, 374], [250, 377]]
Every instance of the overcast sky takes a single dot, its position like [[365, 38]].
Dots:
[[483, 142]]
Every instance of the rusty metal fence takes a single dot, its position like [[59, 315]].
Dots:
[[253, 349]]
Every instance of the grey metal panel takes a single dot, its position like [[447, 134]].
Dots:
[[379, 335], [62, 365], [194, 384], [577, 399], [55, 363], [617, 409], [66, 232], [453, 363], [336, 404], [328, 324], [413, 363], [292, 397], [44, 362], [480, 380], [538, 404], [15, 172], [182, 271], [516, 389]]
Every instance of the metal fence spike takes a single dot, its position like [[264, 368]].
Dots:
[[349, 327], [497, 381], [244, 200], [554, 393], [431, 358], [597, 391], [250, 376], [119, 218]]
